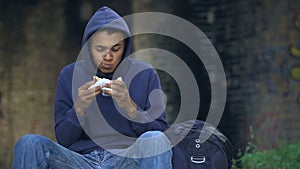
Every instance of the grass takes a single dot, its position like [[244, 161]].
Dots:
[[285, 156]]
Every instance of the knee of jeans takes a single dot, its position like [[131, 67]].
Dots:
[[29, 141], [158, 140], [150, 134]]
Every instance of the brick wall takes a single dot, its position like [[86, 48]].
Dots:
[[31, 56], [268, 63], [254, 40]]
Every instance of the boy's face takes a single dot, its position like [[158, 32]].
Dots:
[[107, 50]]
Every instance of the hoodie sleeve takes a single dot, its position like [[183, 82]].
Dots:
[[67, 125], [155, 106]]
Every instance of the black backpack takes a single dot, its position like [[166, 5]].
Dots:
[[202, 145]]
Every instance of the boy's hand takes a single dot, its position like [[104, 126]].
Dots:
[[121, 95], [86, 96]]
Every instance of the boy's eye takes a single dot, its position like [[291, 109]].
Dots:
[[115, 49], [100, 49]]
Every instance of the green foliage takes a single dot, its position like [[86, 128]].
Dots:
[[285, 156]]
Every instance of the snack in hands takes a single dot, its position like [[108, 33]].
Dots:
[[120, 78], [106, 88], [99, 82]]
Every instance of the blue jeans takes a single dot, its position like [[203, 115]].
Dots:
[[38, 152]]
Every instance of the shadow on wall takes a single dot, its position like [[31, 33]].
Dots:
[[1, 112]]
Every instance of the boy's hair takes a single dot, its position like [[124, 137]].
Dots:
[[107, 30], [110, 30]]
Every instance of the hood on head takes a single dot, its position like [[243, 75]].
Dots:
[[104, 17]]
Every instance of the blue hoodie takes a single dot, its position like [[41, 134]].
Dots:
[[105, 125]]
